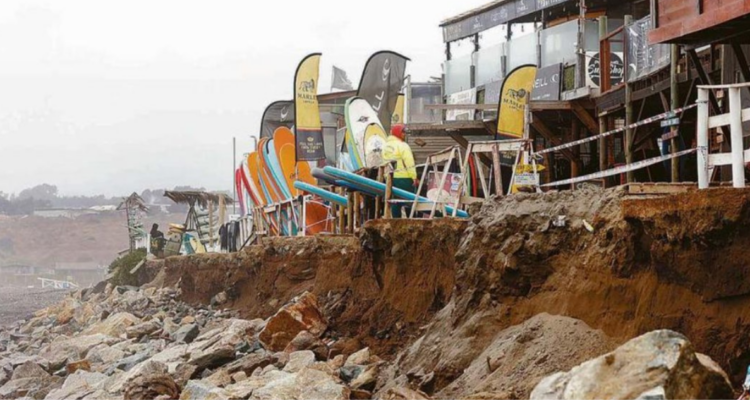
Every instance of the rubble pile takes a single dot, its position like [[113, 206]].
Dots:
[[143, 343]]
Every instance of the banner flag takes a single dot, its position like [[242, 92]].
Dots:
[[279, 113], [340, 80], [308, 131], [514, 95], [398, 113], [381, 83]]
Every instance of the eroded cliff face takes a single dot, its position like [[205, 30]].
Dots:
[[434, 297]]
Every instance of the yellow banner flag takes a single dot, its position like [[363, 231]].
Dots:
[[308, 130], [398, 112], [514, 96]]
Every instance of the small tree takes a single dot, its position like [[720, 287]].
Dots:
[[120, 267]]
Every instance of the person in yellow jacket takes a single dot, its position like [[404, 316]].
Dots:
[[405, 173]]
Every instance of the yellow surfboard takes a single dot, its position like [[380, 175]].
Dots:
[[374, 143]]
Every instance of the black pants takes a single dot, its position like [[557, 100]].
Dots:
[[404, 184]]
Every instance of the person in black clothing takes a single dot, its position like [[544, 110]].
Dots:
[[157, 241]]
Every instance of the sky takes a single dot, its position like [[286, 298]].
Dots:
[[110, 97]]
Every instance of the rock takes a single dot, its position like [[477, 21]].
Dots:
[[306, 384], [140, 330], [145, 369], [403, 393], [63, 349], [307, 341], [199, 390], [115, 325], [78, 365], [303, 314], [361, 357], [239, 376], [366, 380], [244, 389], [661, 364], [219, 299], [79, 385], [189, 319], [348, 373], [127, 363], [126, 288], [213, 356], [345, 346], [219, 378], [358, 394], [177, 353], [248, 363], [186, 333], [29, 380], [183, 373], [104, 355], [147, 387], [299, 360]]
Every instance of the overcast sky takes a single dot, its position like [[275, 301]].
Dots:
[[110, 97]]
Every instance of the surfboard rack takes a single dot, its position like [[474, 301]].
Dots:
[[434, 161]]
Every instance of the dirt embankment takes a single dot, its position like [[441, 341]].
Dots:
[[452, 303], [674, 263], [378, 289]]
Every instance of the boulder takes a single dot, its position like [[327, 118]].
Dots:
[[299, 360], [658, 364], [149, 368], [239, 376], [307, 384], [29, 380], [361, 357], [64, 349], [104, 355], [403, 393], [366, 380], [307, 341], [200, 390], [72, 367], [302, 314], [248, 363], [219, 378], [186, 333], [78, 385], [115, 325], [144, 328], [244, 389], [147, 387]]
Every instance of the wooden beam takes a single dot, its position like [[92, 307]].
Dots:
[[588, 121], [706, 80], [737, 49], [535, 106], [543, 130], [465, 144]]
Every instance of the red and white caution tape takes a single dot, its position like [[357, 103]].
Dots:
[[668, 114], [621, 169]]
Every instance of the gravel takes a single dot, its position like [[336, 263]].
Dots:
[[19, 302]]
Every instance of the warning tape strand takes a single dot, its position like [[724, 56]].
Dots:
[[668, 114], [621, 169]]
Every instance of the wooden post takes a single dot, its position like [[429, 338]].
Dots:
[[378, 199], [357, 210], [342, 215], [675, 103], [628, 145], [496, 171], [210, 224], [350, 213], [388, 193], [575, 135]]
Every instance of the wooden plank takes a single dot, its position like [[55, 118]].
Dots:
[[535, 106], [463, 142], [539, 126], [660, 188], [588, 121]]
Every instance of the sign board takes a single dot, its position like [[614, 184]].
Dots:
[[616, 69], [449, 192], [494, 16], [670, 122], [669, 135], [463, 97], [547, 83], [527, 179]]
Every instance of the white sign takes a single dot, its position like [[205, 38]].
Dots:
[[464, 97], [527, 179]]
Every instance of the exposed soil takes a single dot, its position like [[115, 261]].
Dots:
[[440, 298]]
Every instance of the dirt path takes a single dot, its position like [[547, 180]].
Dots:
[[18, 302]]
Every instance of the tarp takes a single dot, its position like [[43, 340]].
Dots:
[[381, 83], [308, 130]]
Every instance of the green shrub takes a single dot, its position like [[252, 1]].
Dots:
[[120, 268]]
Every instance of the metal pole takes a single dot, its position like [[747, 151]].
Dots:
[[628, 145], [702, 138], [234, 180], [675, 104], [735, 127], [602, 120]]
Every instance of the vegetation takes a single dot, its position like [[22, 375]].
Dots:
[[121, 267]]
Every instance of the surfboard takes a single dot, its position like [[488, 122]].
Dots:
[[359, 115], [374, 143], [240, 188], [252, 190], [254, 168], [380, 187], [267, 181], [322, 193], [276, 171]]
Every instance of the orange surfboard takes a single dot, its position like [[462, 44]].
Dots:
[[316, 214], [252, 166], [270, 184]]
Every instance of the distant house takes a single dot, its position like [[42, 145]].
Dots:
[[63, 213], [82, 273]]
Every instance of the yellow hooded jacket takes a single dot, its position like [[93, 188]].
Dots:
[[396, 150]]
